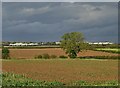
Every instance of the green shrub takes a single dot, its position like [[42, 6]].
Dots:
[[38, 57], [46, 56], [62, 56], [53, 56], [5, 53], [35, 57]]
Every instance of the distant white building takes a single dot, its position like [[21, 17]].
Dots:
[[100, 43], [57, 43], [24, 44], [32, 44]]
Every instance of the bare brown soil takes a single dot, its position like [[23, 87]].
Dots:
[[64, 70], [31, 53]]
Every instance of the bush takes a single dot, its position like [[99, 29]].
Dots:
[[46, 56], [38, 57], [53, 56], [62, 56], [5, 53]]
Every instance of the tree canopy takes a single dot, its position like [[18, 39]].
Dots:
[[71, 43]]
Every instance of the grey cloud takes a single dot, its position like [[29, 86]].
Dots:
[[48, 21]]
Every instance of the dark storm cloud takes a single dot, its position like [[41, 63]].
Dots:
[[46, 21]]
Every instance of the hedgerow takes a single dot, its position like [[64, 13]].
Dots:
[[101, 57]]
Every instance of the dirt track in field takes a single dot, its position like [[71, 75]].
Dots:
[[64, 70], [31, 53]]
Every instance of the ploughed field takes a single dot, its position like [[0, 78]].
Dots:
[[64, 70], [31, 53]]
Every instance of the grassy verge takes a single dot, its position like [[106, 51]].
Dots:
[[15, 80]]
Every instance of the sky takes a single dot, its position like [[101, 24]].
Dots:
[[60, 0], [48, 21]]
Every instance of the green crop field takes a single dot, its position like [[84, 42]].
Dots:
[[112, 50]]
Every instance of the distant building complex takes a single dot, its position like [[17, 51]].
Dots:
[[46, 43], [100, 43], [23, 44]]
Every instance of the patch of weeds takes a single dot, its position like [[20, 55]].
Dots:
[[85, 83], [15, 80]]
